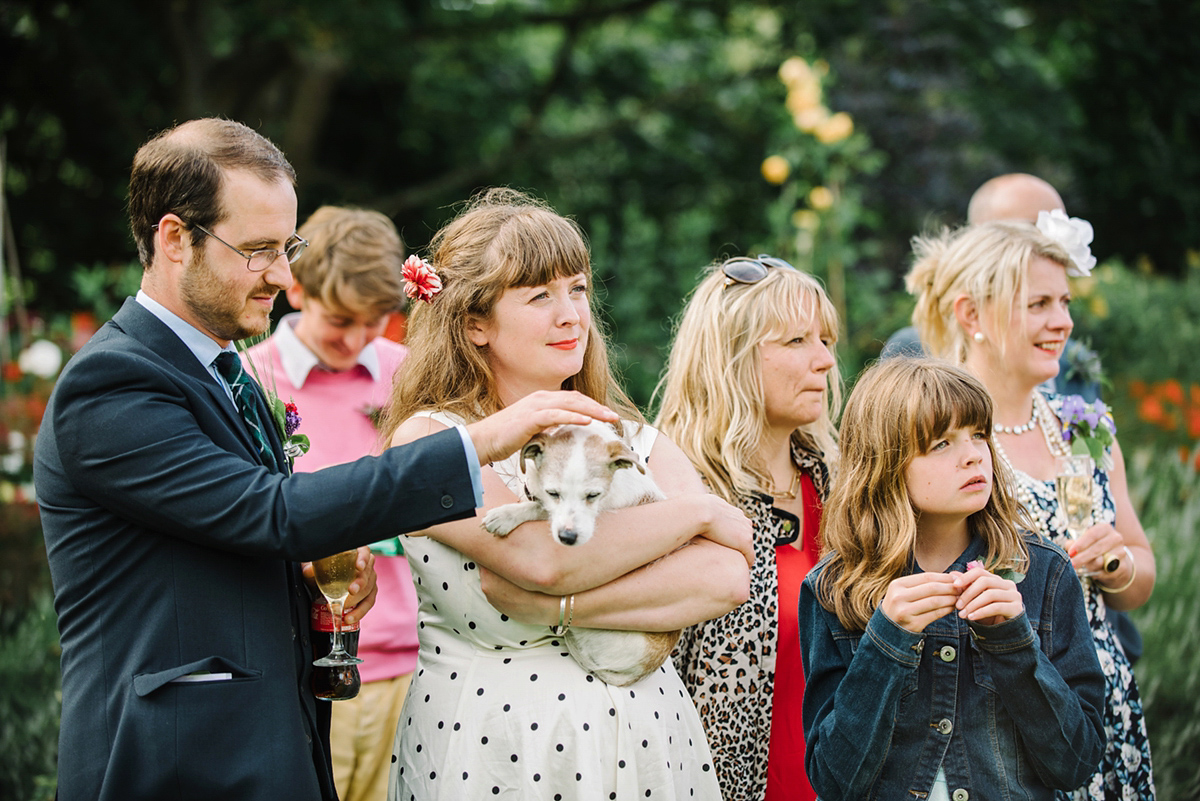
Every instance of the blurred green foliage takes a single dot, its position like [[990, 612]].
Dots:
[[30, 701], [1167, 491]]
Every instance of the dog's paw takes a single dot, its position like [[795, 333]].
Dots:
[[503, 519]]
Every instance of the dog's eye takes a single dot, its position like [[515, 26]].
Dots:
[[552, 493], [592, 496]]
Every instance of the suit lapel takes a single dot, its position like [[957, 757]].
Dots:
[[138, 322]]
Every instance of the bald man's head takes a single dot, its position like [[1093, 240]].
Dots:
[[1015, 196]]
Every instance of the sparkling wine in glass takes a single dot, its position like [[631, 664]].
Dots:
[[1076, 492], [334, 575]]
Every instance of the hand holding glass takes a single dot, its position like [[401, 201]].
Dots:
[[334, 575], [1075, 494]]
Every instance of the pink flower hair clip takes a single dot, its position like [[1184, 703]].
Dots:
[[420, 280]]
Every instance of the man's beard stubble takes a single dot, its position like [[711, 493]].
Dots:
[[216, 305]]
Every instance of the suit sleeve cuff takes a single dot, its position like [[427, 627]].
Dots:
[[472, 464]]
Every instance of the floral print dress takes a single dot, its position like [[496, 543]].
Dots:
[[1125, 772]]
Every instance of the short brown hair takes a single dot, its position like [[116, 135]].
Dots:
[[353, 261], [180, 171]]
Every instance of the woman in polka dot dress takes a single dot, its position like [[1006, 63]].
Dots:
[[497, 707]]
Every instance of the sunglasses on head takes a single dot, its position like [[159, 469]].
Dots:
[[745, 270]]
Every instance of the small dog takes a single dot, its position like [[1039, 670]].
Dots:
[[577, 473]]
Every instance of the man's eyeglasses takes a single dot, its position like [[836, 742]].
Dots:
[[259, 260], [745, 270]]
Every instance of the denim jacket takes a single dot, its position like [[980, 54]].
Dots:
[[1007, 711]]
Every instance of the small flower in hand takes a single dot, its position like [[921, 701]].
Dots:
[[1012, 575]]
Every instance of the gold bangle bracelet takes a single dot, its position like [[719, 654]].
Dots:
[[1132, 576]]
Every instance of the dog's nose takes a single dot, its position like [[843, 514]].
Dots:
[[567, 536]]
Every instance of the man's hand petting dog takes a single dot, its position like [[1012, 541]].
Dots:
[[498, 435]]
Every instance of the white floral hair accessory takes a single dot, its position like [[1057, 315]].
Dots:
[[1075, 236]]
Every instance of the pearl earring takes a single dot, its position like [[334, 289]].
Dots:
[[977, 336]]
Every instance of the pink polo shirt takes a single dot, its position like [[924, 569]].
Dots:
[[332, 407]]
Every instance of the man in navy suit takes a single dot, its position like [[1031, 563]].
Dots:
[[174, 526]]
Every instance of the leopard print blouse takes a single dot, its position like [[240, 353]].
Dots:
[[728, 664]]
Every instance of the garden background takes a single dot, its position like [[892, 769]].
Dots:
[[676, 132]]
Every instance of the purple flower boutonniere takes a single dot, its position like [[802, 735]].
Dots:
[[287, 419]]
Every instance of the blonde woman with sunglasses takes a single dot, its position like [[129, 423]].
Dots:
[[747, 395]]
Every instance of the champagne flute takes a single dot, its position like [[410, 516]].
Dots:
[[334, 574], [1075, 493]]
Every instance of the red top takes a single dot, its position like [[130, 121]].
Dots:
[[786, 779]]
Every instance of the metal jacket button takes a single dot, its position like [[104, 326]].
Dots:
[[960, 795], [947, 652], [944, 726]]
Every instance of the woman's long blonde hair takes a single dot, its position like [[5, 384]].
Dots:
[[897, 410], [712, 390], [502, 239], [987, 262]]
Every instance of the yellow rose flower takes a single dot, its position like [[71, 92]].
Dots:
[[808, 119], [820, 198], [803, 95], [805, 219], [776, 169], [835, 129], [794, 70]]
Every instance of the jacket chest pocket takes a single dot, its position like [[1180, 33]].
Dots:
[[848, 643]]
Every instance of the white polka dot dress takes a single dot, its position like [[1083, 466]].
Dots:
[[499, 709]]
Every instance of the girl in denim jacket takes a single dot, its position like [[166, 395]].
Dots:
[[947, 656]]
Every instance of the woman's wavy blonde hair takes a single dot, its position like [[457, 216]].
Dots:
[[987, 262], [712, 391], [501, 239], [897, 410]]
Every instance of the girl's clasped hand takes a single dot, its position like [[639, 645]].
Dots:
[[979, 596]]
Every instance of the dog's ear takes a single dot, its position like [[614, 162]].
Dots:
[[620, 456], [533, 450]]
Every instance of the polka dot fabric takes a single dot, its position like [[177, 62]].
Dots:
[[499, 709]]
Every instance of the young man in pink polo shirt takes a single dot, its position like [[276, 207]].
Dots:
[[332, 362]]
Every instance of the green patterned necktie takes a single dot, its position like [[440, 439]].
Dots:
[[230, 368]]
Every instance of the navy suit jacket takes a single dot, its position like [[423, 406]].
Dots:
[[174, 551]]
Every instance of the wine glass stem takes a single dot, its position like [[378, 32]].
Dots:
[[335, 607]]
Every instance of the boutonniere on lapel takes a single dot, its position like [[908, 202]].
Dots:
[[287, 419], [373, 413], [285, 414]]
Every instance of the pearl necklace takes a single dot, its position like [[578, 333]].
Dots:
[[1024, 491], [1021, 429]]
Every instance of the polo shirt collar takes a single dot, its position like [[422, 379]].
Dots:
[[299, 361]]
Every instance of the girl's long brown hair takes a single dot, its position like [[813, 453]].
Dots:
[[897, 410]]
